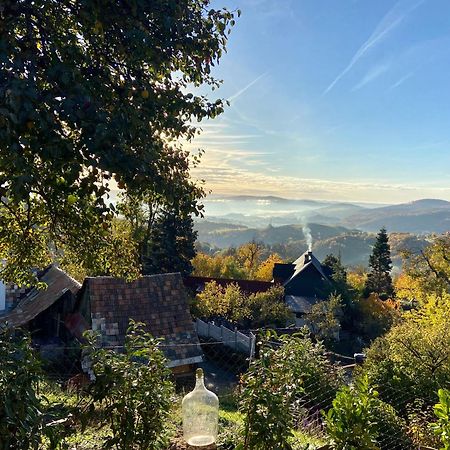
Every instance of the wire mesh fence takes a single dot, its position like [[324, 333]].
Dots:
[[224, 363]]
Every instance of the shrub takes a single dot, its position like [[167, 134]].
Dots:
[[350, 423], [442, 412], [250, 311], [135, 389], [268, 308], [412, 361], [391, 429], [292, 372], [360, 420], [20, 409], [419, 418], [269, 389]]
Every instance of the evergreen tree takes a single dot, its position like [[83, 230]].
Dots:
[[171, 245], [379, 278], [338, 277]]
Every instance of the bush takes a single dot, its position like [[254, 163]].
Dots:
[[412, 361], [269, 389], [350, 423], [442, 412], [249, 311], [21, 424], [391, 429], [360, 420], [291, 373], [135, 389]]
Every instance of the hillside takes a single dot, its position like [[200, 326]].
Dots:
[[289, 241], [420, 217], [231, 235]]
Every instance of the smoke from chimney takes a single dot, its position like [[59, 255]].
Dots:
[[308, 236]]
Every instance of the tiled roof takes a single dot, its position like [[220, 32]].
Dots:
[[36, 301], [159, 301], [248, 286]]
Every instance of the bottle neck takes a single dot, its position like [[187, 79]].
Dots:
[[199, 382]]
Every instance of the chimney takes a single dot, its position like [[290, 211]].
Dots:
[[308, 256]]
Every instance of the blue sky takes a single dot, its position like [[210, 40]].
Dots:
[[333, 99]]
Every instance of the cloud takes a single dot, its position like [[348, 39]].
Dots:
[[224, 179], [372, 75], [246, 88], [387, 25]]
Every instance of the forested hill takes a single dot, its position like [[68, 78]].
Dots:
[[289, 241]]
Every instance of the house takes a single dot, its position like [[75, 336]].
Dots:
[[59, 314], [305, 283], [106, 305], [42, 311]]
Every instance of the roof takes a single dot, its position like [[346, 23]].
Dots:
[[36, 301], [303, 262], [300, 304], [248, 286], [159, 301], [283, 271]]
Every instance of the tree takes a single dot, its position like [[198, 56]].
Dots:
[[325, 317], [430, 268], [164, 234], [95, 93], [414, 356], [249, 256], [379, 278], [265, 269], [340, 285]]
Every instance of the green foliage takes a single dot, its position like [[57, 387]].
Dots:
[[392, 429], [269, 388], [324, 318], [268, 308], [163, 231], [379, 278], [338, 278], [115, 256], [442, 412], [430, 269], [351, 423], [231, 303], [373, 317], [413, 357], [21, 424], [135, 389], [95, 93], [289, 373]]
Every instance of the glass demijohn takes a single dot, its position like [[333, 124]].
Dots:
[[200, 414]]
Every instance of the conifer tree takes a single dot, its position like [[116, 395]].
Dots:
[[379, 279]]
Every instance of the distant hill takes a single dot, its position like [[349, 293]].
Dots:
[[228, 235], [353, 246], [420, 217]]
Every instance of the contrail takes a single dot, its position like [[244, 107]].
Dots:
[[388, 23], [244, 89]]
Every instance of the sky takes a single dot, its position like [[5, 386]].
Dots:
[[345, 100]]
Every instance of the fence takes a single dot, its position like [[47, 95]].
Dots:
[[230, 338], [226, 357]]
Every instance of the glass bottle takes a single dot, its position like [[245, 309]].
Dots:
[[200, 410]]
